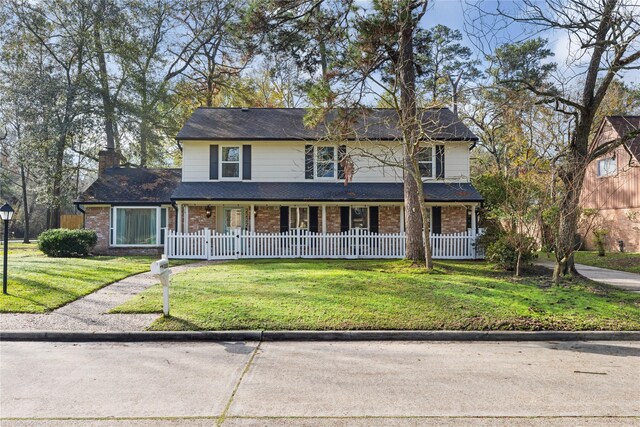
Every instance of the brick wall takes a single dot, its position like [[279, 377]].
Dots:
[[267, 219], [454, 219], [198, 219], [389, 219], [97, 218], [333, 219]]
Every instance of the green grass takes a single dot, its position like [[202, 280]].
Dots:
[[37, 283], [325, 295], [623, 261]]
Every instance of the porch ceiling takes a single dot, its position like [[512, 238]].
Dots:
[[321, 192]]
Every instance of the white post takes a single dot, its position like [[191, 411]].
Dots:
[[474, 237], [165, 279], [207, 243], [402, 219], [179, 220], [324, 219], [186, 218], [252, 219]]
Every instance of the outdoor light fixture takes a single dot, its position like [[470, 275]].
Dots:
[[208, 211], [6, 213]]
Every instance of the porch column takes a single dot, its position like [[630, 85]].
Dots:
[[324, 219], [473, 220], [179, 219], [252, 218], [186, 218], [402, 219]]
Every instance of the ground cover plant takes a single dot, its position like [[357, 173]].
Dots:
[[37, 283], [343, 294]]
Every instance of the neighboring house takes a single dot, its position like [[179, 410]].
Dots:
[[262, 171], [612, 186]]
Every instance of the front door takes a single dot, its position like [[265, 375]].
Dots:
[[233, 220]]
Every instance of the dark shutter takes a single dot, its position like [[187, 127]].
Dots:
[[246, 162], [213, 161], [344, 218], [373, 219], [313, 219], [342, 153], [436, 220], [308, 162], [440, 161], [284, 219]]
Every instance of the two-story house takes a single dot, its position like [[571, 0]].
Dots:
[[612, 186], [263, 171]]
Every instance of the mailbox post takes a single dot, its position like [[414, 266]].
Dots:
[[161, 270]]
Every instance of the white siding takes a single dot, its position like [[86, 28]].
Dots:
[[276, 161]]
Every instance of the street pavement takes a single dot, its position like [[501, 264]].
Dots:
[[320, 384]]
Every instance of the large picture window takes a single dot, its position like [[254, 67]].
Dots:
[[326, 162], [426, 162], [230, 162], [138, 226], [299, 218], [607, 167], [360, 217]]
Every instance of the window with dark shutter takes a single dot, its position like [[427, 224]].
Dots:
[[373, 219], [436, 220], [440, 161], [246, 162], [213, 161], [342, 153], [284, 219], [313, 219], [308, 162], [344, 218]]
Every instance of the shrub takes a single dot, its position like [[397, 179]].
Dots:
[[67, 243], [600, 235], [504, 250]]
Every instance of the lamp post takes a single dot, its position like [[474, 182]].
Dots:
[[6, 213]]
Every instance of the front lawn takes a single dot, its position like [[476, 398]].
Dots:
[[326, 295], [37, 283], [623, 261]]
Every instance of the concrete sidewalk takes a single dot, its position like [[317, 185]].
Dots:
[[320, 384], [619, 279], [89, 313]]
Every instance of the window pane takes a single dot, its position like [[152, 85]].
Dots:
[[426, 170], [359, 217], [607, 167], [136, 227], [230, 154], [425, 154], [325, 162], [299, 218], [230, 170]]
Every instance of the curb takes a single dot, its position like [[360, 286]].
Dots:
[[213, 336]]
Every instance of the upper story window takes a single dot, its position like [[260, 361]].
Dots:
[[230, 162], [359, 217], [326, 162], [607, 167], [299, 218], [426, 162]]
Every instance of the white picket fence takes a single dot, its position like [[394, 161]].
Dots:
[[207, 244]]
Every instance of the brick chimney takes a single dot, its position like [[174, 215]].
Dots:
[[107, 159]]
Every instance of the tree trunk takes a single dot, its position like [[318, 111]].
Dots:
[[103, 76], [415, 249], [56, 193], [25, 203], [518, 264]]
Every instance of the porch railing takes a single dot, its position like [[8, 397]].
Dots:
[[207, 244]]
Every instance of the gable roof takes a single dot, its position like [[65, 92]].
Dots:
[[622, 125], [276, 124], [132, 186]]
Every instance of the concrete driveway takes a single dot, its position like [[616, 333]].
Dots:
[[619, 279], [320, 384]]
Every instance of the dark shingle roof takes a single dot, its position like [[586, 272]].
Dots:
[[623, 125], [287, 124], [331, 192], [132, 185]]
